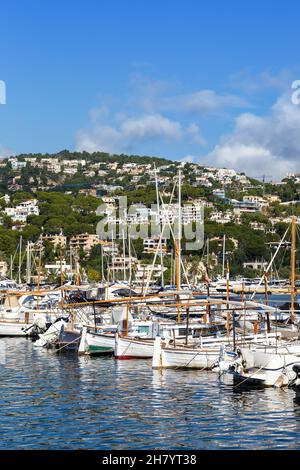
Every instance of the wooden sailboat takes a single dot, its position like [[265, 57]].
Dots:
[[272, 366], [133, 348], [95, 342], [207, 352]]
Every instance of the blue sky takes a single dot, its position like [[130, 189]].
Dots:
[[208, 81]]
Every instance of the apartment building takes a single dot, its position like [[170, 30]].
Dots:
[[83, 241], [256, 265], [192, 213], [143, 273], [122, 263], [17, 165], [23, 210], [56, 240], [152, 244], [221, 217]]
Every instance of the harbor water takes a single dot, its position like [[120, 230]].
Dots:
[[62, 401]]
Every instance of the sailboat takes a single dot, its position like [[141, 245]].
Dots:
[[272, 366]]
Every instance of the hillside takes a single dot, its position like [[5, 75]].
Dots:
[[46, 196]]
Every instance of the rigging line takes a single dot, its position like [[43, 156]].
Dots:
[[255, 372], [203, 251], [160, 238], [270, 264], [282, 259], [67, 344], [182, 265], [15, 254], [298, 233]]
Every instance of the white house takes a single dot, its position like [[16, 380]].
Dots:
[[23, 210]]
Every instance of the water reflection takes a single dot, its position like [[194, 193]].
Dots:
[[69, 402]]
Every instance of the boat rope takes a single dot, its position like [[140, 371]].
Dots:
[[250, 376], [129, 344], [67, 344], [126, 349], [284, 370], [188, 363]]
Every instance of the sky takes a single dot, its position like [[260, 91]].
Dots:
[[209, 82]]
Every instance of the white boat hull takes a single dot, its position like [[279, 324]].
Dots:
[[97, 343], [93, 343], [14, 329], [167, 357], [130, 348], [266, 369], [185, 359]]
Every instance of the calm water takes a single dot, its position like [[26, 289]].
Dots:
[[65, 402]]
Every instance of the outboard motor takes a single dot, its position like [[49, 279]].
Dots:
[[296, 369]]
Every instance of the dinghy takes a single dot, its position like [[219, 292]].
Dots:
[[266, 369]]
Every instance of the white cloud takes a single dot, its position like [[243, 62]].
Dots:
[[269, 144], [5, 152], [121, 136], [193, 131], [100, 138], [248, 82], [97, 114], [153, 111], [167, 96], [152, 126], [202, 101], [189, 159]]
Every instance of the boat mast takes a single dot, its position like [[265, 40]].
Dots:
[[20, 258], [124, 253], [28, 267], [11, 266], [127, 319], [207, 281], [179, 228], [102, 265], [223, 261], [61, 269], [171, 268], [207, 254], [113, 257], [130, 266], [78, 279], [266, 288], [160, 227], [227, 301], [39, 275], [293, 252], [267, 301], [177, 278], [178, 249], [244, 308]]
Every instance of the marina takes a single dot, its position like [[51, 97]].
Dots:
[[110, 364], [82, 397], [74, 402], [149, 233]]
